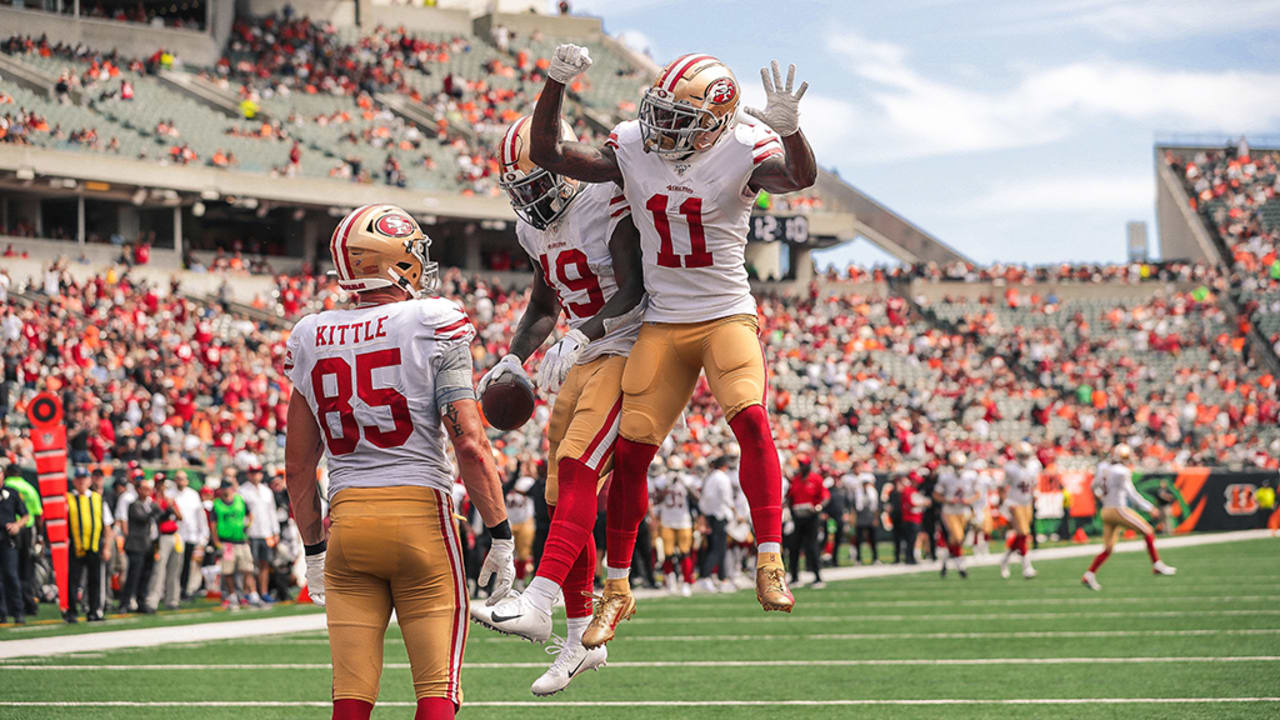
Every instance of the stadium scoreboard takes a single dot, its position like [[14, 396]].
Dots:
[[793, 229]]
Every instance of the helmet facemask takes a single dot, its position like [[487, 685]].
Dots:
[[429, 281], [538, 197], [675, 128]]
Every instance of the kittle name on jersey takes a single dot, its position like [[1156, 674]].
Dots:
[[350, 333]]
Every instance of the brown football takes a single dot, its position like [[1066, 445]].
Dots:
[[508, 402]]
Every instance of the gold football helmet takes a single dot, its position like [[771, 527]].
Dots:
[[537, 195], [382, 246], [1025, 450], [689, 107]]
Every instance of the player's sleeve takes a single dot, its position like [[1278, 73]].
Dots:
[[765, 144], [1133, 493], [293, 359], [618, 207], [451, 333]]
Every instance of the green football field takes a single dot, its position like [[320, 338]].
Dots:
[[1203, 644]]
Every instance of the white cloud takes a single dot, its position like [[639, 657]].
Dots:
[[1060, 194], [907, 113], [637, 41]]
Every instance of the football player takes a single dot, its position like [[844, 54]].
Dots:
[[671, 495], [690, 168], [1113, 487], [957, 493], [377, 390], [980, 521], [1021, 475], [581, 237]]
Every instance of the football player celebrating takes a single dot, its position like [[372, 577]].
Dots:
[[690, 167], [1021, 475], [957, 493], [377, 389], [581, 237], [1113, 486]]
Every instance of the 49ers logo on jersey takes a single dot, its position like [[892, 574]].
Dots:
[[722, 91], [1241, 499], [394, 225]]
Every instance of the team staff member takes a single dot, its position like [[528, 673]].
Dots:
[[89, 525], [231, 520], [806, 496], [139, 546], [264, 528], [193, 530], [13, 513], [716, 505], [27, 536]]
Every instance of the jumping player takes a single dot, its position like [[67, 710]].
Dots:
[[690, 167], [1113, 486]]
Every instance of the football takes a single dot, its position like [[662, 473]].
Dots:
[[508, 402]]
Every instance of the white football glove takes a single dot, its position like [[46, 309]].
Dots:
[[782, 109], [560, 359], [568, 62], [500, 564], [315, 578], [509, 364]]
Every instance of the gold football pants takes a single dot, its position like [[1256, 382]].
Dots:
[[395, 548], [664, 366], [584, 420], [1021, 518], [1116, 519]]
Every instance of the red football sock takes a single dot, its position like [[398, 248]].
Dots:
[[1011, 542], [1151, 548], [571, 525], [581, 581], [1097, 561], [1022, 544], [956, 549], [686, 566], [628, 501], [352, 709], [434, 708], [759, 472]]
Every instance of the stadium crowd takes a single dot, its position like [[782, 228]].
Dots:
[[152, 379]]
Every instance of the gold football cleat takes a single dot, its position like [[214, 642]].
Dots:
[[771, 583], [612, 607]]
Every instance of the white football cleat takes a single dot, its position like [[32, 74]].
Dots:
[[1004, 570], [1029, 572], [514, 615], [1090, 581], [708, 585], [1159, 568], [573, 660]]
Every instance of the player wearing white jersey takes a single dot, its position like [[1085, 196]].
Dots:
[[377, 390], [690, 167], [980, 521], [581, 237], [1021, 475], [675, 522], [956, 490], [1114, 490]]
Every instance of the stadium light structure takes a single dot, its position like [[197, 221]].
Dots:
[[197, 210], [139, 196], [26, 174]]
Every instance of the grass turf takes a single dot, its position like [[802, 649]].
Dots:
[[1220, 605]]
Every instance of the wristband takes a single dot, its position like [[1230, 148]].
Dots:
[[501, 531], [316, 549]]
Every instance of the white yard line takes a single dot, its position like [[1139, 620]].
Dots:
[[963, 616], [689, 663], [201, 632], [1029, 634], [667, 703], [1095, 599]]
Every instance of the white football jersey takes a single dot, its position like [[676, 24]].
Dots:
[[692, 217], [982, 488], [573, 253], [1113, 482], [1020, 480], [956, 488], [368, 375], [673, 509]]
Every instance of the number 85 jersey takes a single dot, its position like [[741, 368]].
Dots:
[[692, 216], [374, 377]]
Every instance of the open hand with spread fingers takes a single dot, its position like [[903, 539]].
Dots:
[[782, 108], [568, 62]]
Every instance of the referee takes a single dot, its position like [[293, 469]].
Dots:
[[89, 525]]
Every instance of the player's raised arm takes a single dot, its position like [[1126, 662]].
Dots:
[[623, 307], [796, 168], [546, 149], [302, 451]]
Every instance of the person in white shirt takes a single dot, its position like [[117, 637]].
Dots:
[[1113, 486], [264, 528], [716, 504], [866, 509], [193, 530]]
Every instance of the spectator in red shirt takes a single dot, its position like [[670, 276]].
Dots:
[[806, 496], [908, 505]]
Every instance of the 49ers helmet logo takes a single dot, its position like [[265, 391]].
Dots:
[[722, 91], [394, 225]]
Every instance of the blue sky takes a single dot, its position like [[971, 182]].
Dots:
[[1014, 131]]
